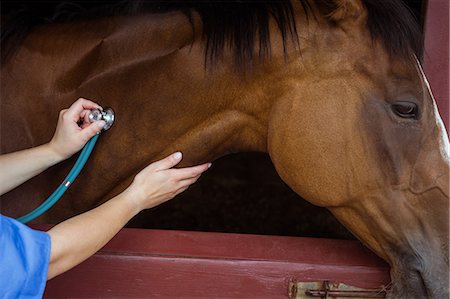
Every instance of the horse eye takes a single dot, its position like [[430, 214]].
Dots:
[[406, 109]]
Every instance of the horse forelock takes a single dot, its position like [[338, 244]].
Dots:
[[241, 26], [393, 23]]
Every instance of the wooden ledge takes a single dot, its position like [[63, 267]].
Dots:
[[140, 263]]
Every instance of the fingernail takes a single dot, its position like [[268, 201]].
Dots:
[[177, 155], [209, 165]]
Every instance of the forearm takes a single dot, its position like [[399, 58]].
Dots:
[[74, 240], [18, 167]]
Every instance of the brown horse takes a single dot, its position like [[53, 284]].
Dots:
[[332, 90]]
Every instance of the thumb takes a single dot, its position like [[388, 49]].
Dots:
[[168, 162], [88, 132]]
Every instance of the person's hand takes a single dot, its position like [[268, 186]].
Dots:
[[155, 184], [159, 182], [69, 137]]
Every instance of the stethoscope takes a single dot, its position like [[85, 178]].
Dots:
[[106, 114]]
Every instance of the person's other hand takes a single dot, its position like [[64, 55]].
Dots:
[[159, 182], [69, 136]]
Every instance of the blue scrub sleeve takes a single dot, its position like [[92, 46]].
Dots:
[[24, 259]]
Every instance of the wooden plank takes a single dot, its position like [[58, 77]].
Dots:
[[168, 264]]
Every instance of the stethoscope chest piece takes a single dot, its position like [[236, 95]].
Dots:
[[107, 114]]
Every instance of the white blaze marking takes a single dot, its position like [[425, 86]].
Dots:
[[444, 143]]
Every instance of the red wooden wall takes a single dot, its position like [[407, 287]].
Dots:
[[436, 59]]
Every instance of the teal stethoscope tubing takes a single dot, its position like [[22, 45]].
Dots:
[[70, 178]]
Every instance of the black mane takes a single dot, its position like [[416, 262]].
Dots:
[[236, 24]]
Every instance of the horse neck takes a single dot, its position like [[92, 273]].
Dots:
[[150, 69], [171, 102], [205, 118]]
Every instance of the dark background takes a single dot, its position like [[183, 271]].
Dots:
[[242, 193]]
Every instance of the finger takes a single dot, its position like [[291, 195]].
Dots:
[[189, 172], [92, 129], [85, 114], [85, 117], [181, 190], [62, 112], [190, 181], [75, 110], [168, 162]]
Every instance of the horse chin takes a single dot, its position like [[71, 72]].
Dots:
[[407, 285]]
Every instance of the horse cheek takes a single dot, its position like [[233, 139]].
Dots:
[[306, 146]]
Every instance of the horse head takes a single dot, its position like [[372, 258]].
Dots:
[[358, 132]]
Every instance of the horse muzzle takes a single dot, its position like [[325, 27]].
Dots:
[[420, 275]]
